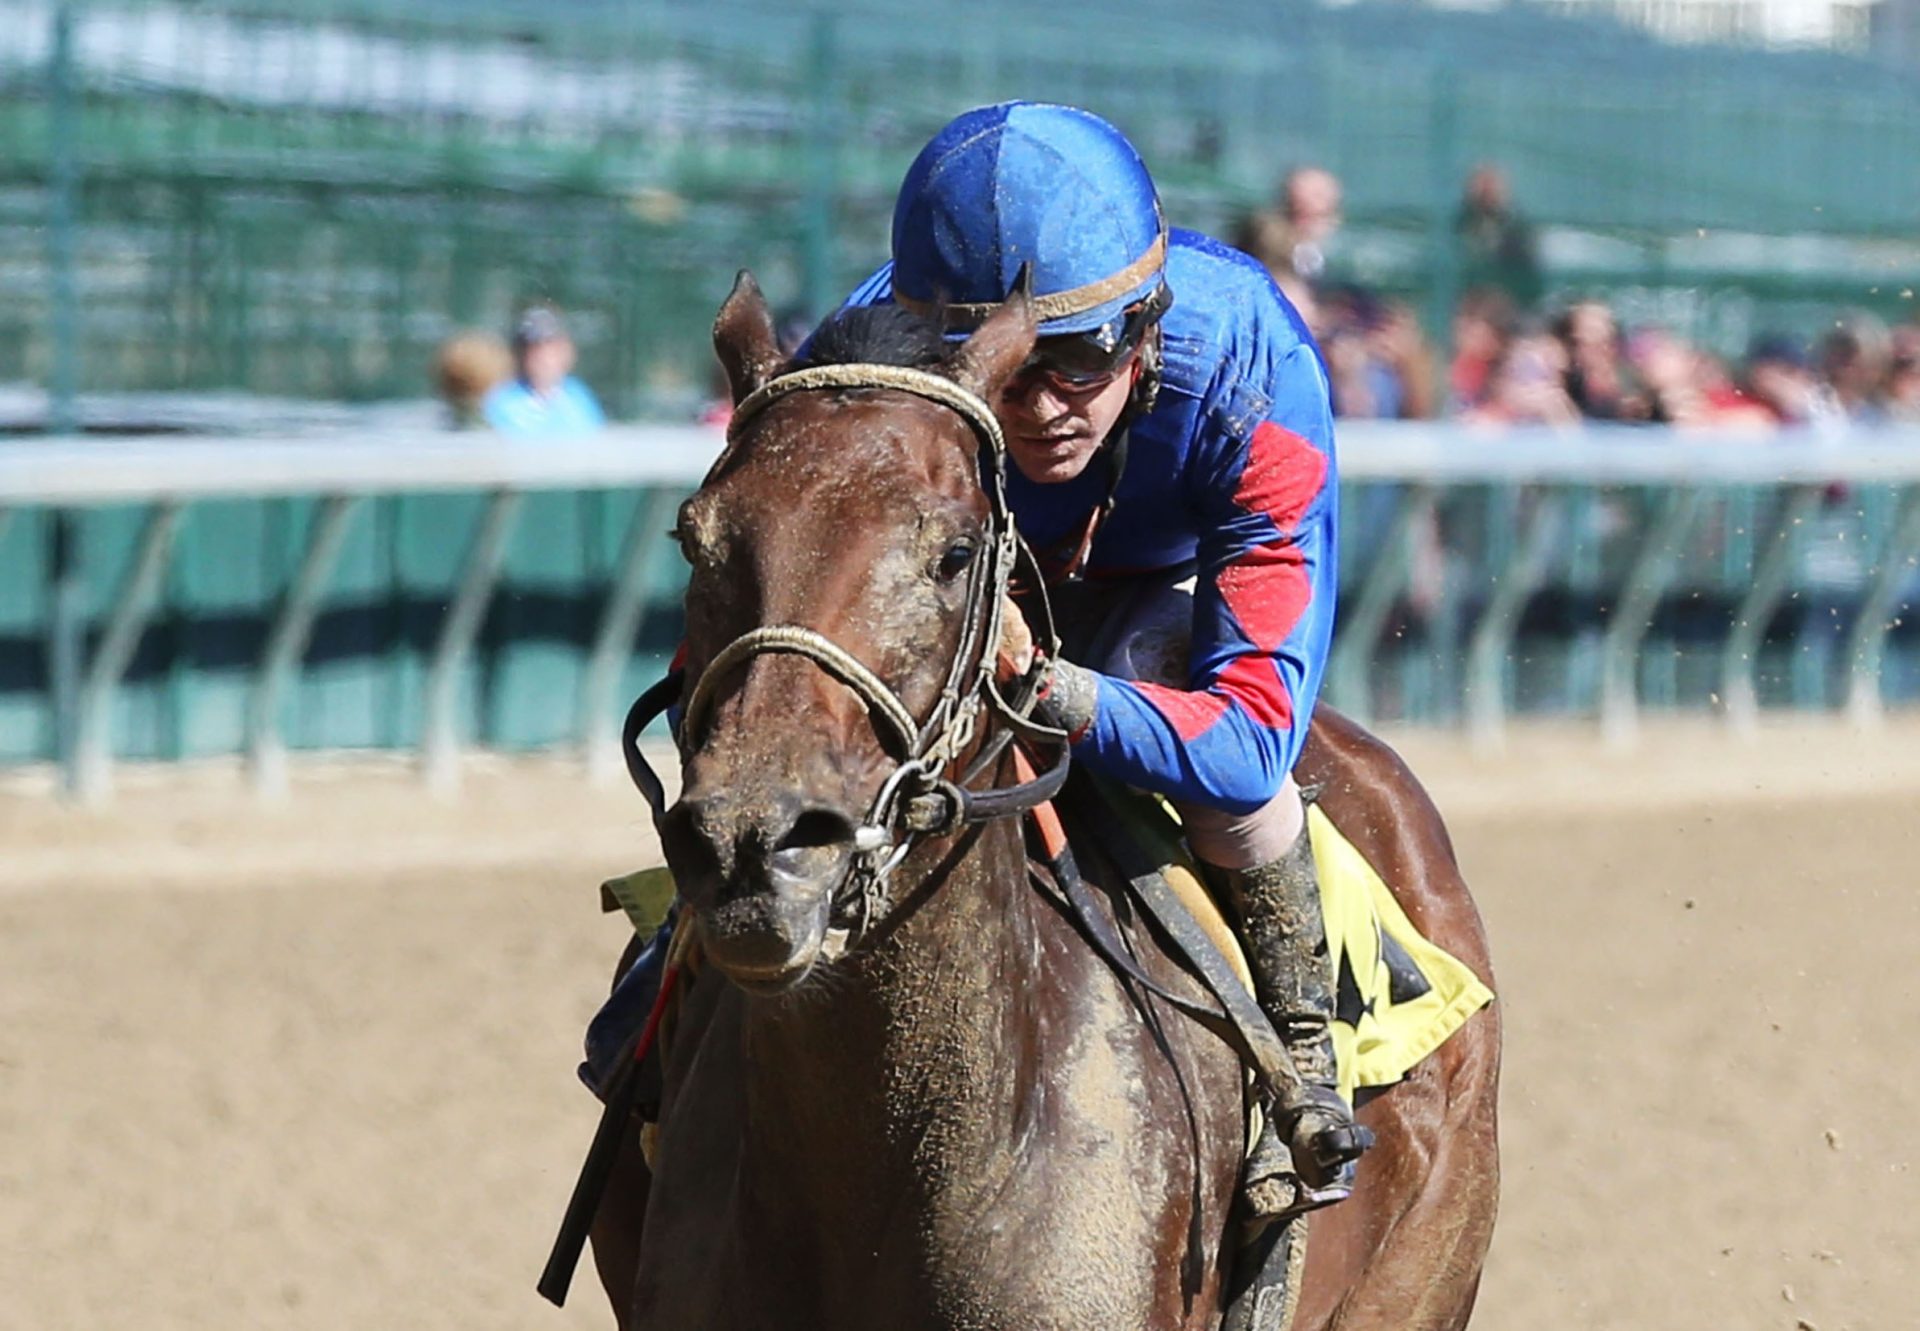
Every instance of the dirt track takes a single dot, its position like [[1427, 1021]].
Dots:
[[311, 1067]]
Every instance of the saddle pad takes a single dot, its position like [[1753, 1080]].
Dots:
[[1398, 996]]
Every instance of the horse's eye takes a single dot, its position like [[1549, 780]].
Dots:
[[954, 562]]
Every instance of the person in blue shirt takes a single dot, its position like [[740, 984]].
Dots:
[[543, 400], [1172, 442]]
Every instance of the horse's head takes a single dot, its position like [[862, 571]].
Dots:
[[855, 516]]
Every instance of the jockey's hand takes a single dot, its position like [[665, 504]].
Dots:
[[1015, 656]]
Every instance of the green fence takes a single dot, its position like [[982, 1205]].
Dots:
[[425, 593], [363, 676], [305, 198]]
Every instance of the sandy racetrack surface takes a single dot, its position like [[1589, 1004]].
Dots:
[[311, 1066]]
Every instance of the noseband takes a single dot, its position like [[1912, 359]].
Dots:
[[917, 799]]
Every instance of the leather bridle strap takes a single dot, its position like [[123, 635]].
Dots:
[[967, 806], [879, 700]]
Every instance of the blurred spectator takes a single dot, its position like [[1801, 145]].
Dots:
[[1378, 361], [1292, 236], [717, 411], [1687, 387], [792, 329], [465, 369], [1903, 376], [1903, 390], [1854, 360], [1665, 365], [1779, 379], [1527, 384], [1729, 407], [1497, 243], [543, 400], [1482, 324], [1597, 378]]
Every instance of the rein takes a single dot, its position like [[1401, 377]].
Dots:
[[917, 799]]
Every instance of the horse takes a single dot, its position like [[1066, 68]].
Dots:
[[951, 1112]]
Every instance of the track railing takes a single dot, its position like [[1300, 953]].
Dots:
[[426, 591]]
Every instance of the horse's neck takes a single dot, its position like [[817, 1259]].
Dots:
[[900, 1069], [952, 1129]]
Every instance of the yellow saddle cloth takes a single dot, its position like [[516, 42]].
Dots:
[[1398, 996]]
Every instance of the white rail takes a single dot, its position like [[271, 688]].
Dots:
[[167, 473], [110, 469]]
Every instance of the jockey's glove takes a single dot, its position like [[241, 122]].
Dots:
[[1069, 697]]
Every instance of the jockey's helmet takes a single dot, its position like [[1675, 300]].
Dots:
[[1025, 183]]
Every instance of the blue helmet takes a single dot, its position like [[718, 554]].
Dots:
[[1027, 183]]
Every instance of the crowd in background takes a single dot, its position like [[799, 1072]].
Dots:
[[1513, 356], [1516, 358]]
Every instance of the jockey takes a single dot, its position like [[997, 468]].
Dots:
[[1172, 442]]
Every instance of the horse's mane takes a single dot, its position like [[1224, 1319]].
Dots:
[[876, 335]]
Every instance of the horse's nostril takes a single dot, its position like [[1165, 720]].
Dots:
[[812, 844], [816, 829]]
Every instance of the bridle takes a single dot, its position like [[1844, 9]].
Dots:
[[918, 798]]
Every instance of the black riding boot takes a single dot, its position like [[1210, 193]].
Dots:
[[1306, 1152]]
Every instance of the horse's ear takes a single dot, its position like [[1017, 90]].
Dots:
[[999, 346], [744, 339]]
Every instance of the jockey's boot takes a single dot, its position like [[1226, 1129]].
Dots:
[[1307, 1148]]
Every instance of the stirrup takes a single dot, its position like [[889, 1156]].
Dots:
[[1272, 1187], [1336, 1189], [1279, 1197]]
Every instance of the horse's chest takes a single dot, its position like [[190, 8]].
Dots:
[[1046, 1219]]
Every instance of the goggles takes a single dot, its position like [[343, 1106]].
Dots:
[[1082, 362]]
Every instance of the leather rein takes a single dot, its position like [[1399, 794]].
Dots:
[[918, 798]]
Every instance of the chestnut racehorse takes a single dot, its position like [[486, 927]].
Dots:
[[951, 1112]]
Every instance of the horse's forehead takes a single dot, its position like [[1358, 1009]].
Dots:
[[878, 454]]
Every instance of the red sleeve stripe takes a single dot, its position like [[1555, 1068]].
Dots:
[[1266, 589], [1283, 476], [1190, 714]]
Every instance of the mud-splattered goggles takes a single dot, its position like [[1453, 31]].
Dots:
[[1077, 363]]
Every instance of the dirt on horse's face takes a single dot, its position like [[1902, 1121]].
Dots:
[[853, 514]]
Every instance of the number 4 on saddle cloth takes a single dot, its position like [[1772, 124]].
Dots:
[[1398, 996]]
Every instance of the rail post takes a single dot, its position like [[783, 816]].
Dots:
[[287, 643], [1492, 641], [1739, 694], [1867, 643], [620, 621], [1652, 570], [440, 734], [90, 774]]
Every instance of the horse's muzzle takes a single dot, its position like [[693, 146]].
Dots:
[[761, 878]]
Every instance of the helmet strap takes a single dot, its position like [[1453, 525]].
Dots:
[[1146, 377], [1066, 559]]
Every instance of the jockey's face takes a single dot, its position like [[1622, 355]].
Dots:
[[1053, 430]]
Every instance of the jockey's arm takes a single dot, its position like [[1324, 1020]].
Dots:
[[1262, 617]]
